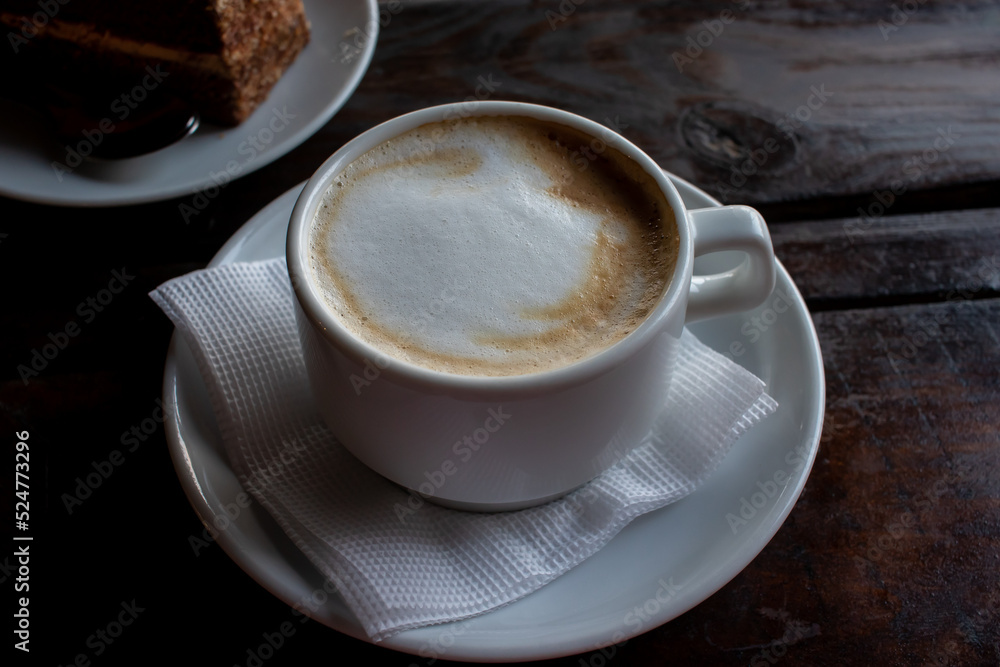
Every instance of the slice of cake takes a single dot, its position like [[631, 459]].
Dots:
[[222, 57]]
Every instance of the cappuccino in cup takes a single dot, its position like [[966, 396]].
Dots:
[[492, 246], [515, 259]]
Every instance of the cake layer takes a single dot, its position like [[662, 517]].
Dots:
[[223, 58]]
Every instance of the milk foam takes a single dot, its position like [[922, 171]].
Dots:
[[455, 247]]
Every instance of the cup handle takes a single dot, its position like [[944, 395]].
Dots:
[[743, 287]]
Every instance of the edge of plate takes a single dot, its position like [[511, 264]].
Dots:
[[266, 158]]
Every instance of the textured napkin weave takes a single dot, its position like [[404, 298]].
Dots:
[[400, 562]]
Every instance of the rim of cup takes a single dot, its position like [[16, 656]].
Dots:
[[322, 317]]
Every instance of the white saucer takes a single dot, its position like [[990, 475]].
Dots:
[[314, 88], [663, 563]]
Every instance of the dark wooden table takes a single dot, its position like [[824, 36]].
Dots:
[[881, 184]]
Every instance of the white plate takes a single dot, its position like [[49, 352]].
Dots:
[[314, 88], [663, 563]]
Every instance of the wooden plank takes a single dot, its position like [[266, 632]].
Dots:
[[836, 264], [885, 259], [614, 63], [825, 102], [890, 555]]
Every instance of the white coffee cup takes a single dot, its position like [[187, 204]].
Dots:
[[500, 443]]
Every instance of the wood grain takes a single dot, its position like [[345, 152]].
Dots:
[[946, 256], [879, 104], [891, 554]]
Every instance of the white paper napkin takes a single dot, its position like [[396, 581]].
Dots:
[[400, 562]]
